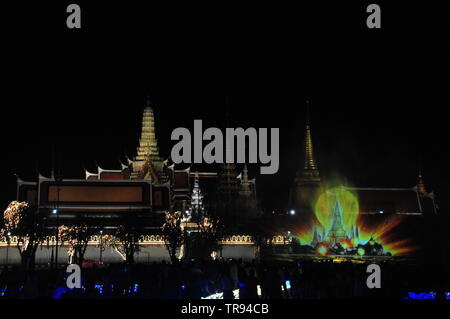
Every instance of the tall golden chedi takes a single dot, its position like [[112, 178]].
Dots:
[[148, 163], [307, 180]]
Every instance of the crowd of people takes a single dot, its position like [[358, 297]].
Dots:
[[228, 279]]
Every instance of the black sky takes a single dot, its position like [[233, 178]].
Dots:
[[379, 97]]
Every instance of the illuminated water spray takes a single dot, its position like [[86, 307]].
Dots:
[[338, 228]]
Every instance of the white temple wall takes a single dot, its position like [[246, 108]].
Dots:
[[147, 254], [246, 252]]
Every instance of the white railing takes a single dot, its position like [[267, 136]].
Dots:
[[156, 240]]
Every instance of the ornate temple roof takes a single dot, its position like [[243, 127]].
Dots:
[[90, 176], [148, 144], [148, 163]]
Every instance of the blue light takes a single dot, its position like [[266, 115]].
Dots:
[[292, 212], [381, 212], [241, 285], [59, 292], [9, 233], [421, 295], [99, 287], [183, 287], [54, 211], [288, 284]]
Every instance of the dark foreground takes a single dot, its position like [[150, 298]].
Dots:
[[227, 279]]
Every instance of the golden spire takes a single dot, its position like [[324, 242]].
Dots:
[[148, 146], [310, 172], [420, 185], [310, 163], [148, 163]]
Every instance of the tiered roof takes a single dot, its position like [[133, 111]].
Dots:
[[148, 146]]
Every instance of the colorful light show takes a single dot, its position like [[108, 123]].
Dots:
[[337, 227]]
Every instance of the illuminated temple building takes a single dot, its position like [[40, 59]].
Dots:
[[182, 184], [344, 220], [147, 164], [340, 220], [148, 186]]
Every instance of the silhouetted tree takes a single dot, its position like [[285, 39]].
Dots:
[[125, 240], [173, 233], [21, 221], [77, 237], [210, 231]]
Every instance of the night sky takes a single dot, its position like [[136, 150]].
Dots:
[[378, 97]]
